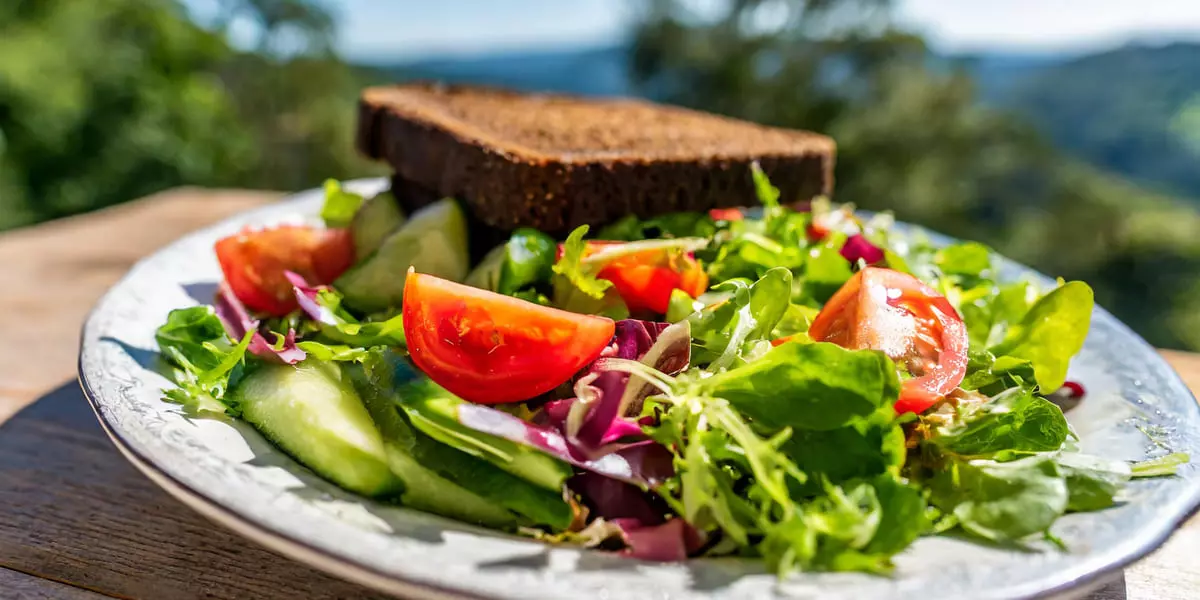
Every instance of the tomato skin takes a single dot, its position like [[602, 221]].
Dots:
[[254, 263], [489, 348], [896, 313]]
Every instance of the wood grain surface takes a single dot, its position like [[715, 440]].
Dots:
[[78, 522]]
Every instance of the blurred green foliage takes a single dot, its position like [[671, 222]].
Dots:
[[1143, 123], [102, 101], [917, 141]]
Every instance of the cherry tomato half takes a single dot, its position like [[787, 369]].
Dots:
[[645, 279], [490, 348], [254, 263], [896, 313]]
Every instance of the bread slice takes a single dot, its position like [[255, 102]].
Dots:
[[555, 162]]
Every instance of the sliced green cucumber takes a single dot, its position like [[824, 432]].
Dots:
[[443, 480], [434, 411], [312, 413], [434, 241], [375, 220]]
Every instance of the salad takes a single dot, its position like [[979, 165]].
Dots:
[[795, 384]]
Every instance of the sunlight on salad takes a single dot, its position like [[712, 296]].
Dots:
[[796, 384]]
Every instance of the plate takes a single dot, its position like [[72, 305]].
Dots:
[[227, 471]]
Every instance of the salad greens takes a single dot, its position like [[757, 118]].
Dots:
[[796, 384]]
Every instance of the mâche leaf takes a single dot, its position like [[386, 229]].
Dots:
[[1002, 501], [1051, 333], [808, 386], [1017, 420], [966, 259]]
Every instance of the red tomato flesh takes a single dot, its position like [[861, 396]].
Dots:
[[490, 348], [254, 263], [890, 311], [645, 280], [726, 214]]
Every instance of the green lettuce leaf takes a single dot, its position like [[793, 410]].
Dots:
[[855, 527], [1051, 333], [865, 448], [570, 266], [1092, 482], [825, 270], [340, 327], [716, 452], [340, 205], [333, 352], [1002, 501], [1017, 420], [729, 333], [1161, 466], [817, 386], [208, 363], [988, 310], [970, 259]]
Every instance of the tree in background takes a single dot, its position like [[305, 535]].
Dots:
[[915, 140], [103, 101]]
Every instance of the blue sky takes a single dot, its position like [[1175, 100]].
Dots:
[[387, 29]]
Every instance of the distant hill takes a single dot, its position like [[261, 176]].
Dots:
[[1133, 111]]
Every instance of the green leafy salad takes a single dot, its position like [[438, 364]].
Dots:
[[794, 384]]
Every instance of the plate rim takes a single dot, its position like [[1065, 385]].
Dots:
[[278, 539]]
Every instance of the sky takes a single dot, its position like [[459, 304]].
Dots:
[[395, 29]]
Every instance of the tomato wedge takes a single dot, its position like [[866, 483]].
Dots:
[[254, 263], [726, 214], [645, 279], [490, 348], [896, 313]]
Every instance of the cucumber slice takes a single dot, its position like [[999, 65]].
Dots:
[[434, 411], [313, 414], [463, 487], [442, 480], [375, 220], [434, 241], [425, 489]]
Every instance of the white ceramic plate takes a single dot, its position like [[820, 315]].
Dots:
[[228, 472]]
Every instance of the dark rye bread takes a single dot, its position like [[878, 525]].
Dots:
[[556, 162]]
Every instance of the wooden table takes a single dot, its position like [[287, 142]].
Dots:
[[77, 522]]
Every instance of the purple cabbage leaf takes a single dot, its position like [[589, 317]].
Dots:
[[600, 416], [238, 323]]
